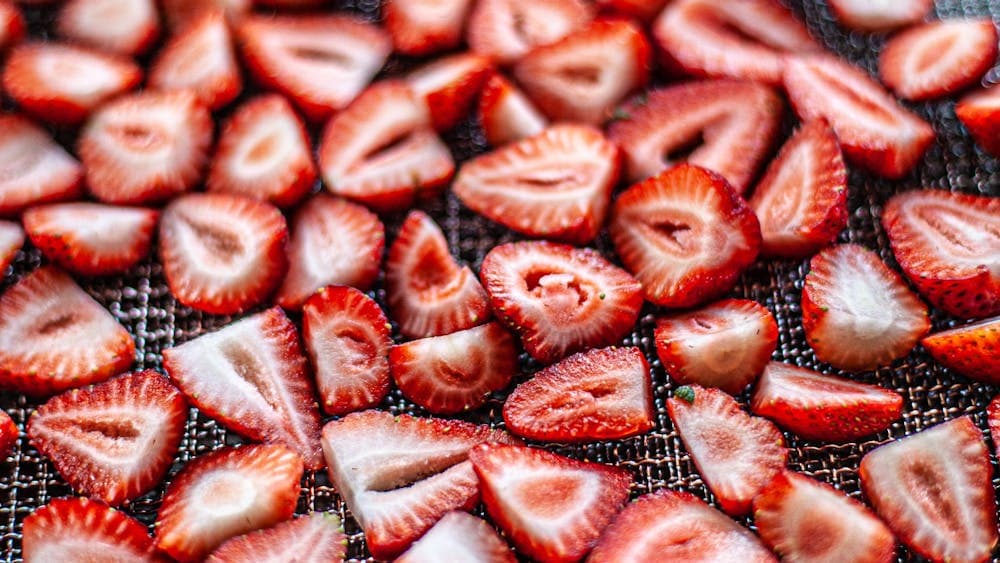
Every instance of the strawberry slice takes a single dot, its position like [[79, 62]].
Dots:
[[333, 242], [948, 245], [505, 30], [9, 434], [600, 394], [62, 84], [723, 125], [934, 490], [227, 493], [745, 40], [676, 526], [80, 529], [801, 202], [551, 507], [881, 15], [400, 474], [875, 132], [424, 27], [320, 62], [92, 239], [459, 536], [382, 151], [980, 113], [822, 407], [116, 440], [12, 25], [33, 168], [347, 337], [317, 537], [807, 520], [222, 253], [264, 153], [456, 372], [506, 114], [560, 299], [146, 147], [428, 293], [251, 376], [181, 13], [642, 10], [993, 419], [735, 453], [685, 234], [724, 345], [857, 313], [11, 241], [556, 184], [971, 350], [581, 77], [54, 336], [449, 85], [126, 27]]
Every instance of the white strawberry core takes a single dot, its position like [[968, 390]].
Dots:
[[267, 147], [81, 76], [224, 493]]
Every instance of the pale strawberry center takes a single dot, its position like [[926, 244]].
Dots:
[[550, 496], [223, 493], [137, 137]]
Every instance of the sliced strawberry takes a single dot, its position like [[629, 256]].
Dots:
[[980, 112], [556, 184], [723, 125], [993, 419], [934, 490], [948, 245], [264, 153], [428, 293], [320, 62], [116, 440], [180, 13], [146, 147], [449, 85], [12, 25], [54, 336], [222, 253], [724, 345], [251, 376], [875, 132], [745, 39], [423, 27], [127, 27], [865, 15], [643, 10], [227, 493], [382, 151], [347, 337], [11, 241], [551, 507], [857, 313], [560, 299], [807, 520], [33, 168], [400, 474], [459, 536], [685, 234], [600, 394], [92, 239], [583, 76], [333, 242], [735, 453], [9, 434], [506, 114], [505, 30], [822, 407], [318, 537], [80, 529], [972, 350]]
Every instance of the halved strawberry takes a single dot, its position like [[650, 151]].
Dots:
[[724, 345], [180, 13], [642, 10], [54, 336], [127, 27], [8, 434], [506, 114], [382, 150], [875, 132], [505, 30], [321, 62], [449, 85], [428, 292], [980, 113], [972, 350], [264, 153], [146, 147], [553, 508], [583, 76], [685, 234], [948, 245], [227, 493], [745, 39], [347, 337], [222, 253], [115, 440], [807, 520], [12, 25], [92, 239], [400, 474], [423, 27], [459, 536], [556, 184], [11, 240], [560, 299], [857, 313], [823, 407], [80, 529], [317, 537], [881, 15], [735, 453], [251, 376], [600, 394], [723, 125], [934, 490], [333, 242], [33, 168]]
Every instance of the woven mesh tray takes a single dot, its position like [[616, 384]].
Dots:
[[141, 302]]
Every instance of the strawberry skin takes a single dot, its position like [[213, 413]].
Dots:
[[993, 419], [449, 85], [972, 350], [424, 27], [81, 529], [506, 114], [33, 168], [12, 26], [642, 10], [11, 241], [126, 27], [8, 434], [980, 113], [459, 536], [178, 14], [867, 16], [315, 538], [506, 30]]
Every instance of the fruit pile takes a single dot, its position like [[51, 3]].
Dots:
[[290, 171]]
